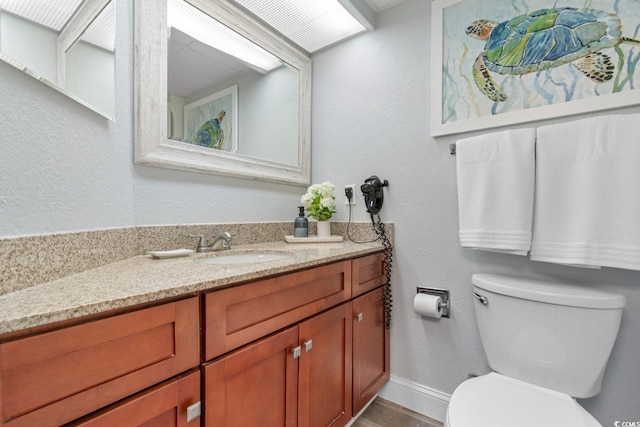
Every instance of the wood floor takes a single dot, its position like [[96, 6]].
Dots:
[[382, 413]]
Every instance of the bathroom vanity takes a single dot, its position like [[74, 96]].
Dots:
[[300, 342]]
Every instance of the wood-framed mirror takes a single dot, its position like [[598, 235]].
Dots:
[[240, 118]]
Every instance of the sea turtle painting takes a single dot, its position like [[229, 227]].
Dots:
[[544, 39], [211, 133]]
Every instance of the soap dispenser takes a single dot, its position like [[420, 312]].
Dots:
[[301, 224]]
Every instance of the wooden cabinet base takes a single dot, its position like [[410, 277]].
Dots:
[[291, 350]]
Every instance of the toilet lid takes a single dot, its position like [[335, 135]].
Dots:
[[494, 400]]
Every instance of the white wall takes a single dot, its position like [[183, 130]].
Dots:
[[64, 168], [371, 106]]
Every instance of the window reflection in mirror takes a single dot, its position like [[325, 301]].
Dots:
[[225, 96], [68, 45]]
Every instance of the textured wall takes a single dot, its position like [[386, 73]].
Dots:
[[371, 116]]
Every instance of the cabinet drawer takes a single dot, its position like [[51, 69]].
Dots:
[[163, 405], [368, 273], [56, 377], [239, 315]]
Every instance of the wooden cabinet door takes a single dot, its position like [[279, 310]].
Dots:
[[368, 273], [370, 348], [162, 406], [256, 385], [325, 369]]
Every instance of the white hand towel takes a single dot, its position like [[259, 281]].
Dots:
[[495, 190], [588, 193]]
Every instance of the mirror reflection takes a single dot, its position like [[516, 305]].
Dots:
[[222, 111], [226, 93], [67, 44]]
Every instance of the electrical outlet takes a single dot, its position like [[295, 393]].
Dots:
[[352, 189]]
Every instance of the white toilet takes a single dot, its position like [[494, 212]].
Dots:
[[548, 343]]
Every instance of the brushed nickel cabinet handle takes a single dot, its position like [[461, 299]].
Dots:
[[296, 352], [194, 411]]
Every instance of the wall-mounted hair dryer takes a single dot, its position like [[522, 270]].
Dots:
[[373, 194]]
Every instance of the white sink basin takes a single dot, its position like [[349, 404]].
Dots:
[[244, 257]]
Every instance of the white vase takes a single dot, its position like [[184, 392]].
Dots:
[[324, 228]]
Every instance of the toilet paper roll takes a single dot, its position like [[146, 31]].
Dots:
[[427, 305]]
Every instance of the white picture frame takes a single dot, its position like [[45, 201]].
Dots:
[[219, 110]]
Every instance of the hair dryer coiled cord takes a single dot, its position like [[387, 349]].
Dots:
[[388, 260], [379, 228]]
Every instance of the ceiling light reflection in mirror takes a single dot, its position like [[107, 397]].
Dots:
[[207, 30], [206, 58], [312, 25], [66, 44]]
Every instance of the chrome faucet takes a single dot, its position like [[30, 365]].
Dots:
[[221, 242]]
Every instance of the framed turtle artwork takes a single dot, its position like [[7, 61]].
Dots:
[[212, 121], [502, 62]]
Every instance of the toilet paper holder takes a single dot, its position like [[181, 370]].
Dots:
[[442, 293]]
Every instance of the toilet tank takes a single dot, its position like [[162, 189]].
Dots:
[[554, 335]]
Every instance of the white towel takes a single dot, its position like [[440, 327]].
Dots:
[[588, 193], [495, 190]]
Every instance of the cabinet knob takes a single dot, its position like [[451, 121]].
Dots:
[[308, 345], [296, 352], [194, 411], [359, 317]]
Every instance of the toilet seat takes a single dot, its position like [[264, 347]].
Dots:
[[494, 400]]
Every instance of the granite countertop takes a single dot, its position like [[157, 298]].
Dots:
[[142, 279]]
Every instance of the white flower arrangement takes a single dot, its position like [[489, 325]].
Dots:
[[319, 201]]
